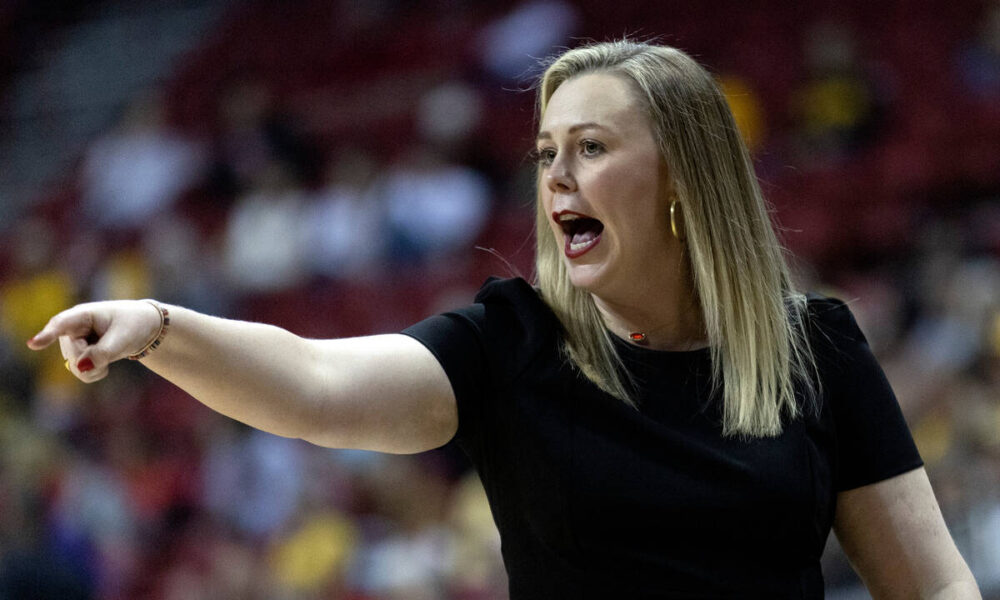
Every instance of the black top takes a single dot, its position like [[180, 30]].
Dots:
[[595, 499]]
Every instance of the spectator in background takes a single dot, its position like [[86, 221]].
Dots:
[[252, 480], [435, 207], [408, 557], [36, 283], [978, 61], [254, 134], [92, 517], [936, 323], [477, 565], [511, 45], [448, 115], [263, 242], [183, 265], [345, 221], [139, 169], [436, 202], [972, 468], [838, 107], [312, 555], [747, 110], [124, 274]]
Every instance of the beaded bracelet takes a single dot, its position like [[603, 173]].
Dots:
[[155, 342]]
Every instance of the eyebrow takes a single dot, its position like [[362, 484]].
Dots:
[[545, 135]]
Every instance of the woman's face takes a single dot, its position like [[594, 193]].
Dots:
[[604, 186]]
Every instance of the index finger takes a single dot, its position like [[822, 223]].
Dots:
[[75, 322]]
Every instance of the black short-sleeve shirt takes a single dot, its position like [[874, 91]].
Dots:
[[595, 499]]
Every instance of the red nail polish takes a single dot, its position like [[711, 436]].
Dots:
[[85, 365]]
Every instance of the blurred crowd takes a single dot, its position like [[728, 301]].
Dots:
[[234, 197]]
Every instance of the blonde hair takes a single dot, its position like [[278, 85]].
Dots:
[[754, 319]]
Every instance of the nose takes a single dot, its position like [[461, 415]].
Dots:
[[559, 179]]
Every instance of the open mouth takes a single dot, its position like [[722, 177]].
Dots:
[[581, 232]]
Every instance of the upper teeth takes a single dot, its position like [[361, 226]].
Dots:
[[568, 217]]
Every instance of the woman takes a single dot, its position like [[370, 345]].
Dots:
[[664, 417]]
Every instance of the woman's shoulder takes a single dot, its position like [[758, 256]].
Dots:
[[516, 325], [831, 315], [514, 291], [836, 339], [506, 327], [513, 307]]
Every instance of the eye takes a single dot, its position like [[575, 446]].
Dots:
[[545, 156], [590, 147]]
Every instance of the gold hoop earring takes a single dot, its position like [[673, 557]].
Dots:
[[673, 221]]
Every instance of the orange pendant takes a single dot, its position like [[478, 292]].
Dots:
[[637, 336]]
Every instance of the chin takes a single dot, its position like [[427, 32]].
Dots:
[[585, 277]]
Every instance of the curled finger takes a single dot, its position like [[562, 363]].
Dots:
[[93, 374], [70, 350]]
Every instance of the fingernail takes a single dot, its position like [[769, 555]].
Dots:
[[85, 365]]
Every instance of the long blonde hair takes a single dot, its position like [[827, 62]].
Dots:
[[754, 319]]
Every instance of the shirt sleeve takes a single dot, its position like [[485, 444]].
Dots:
[[483, 348], [456, 340], [872, 437]]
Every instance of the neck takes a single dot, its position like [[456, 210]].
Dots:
[[669, 319]]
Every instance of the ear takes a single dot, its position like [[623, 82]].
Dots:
[[667, 182]]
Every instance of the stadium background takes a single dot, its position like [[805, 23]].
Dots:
[[332, 166]]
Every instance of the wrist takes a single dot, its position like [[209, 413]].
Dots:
[[159, 330]]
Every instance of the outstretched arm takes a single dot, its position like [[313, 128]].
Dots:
[[384, 392], [897, 541]]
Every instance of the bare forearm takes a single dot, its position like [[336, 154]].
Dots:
[[258, 374], [896, 538], [963, 589], [383, 392]]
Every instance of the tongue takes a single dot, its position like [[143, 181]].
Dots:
[[584, 236]]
